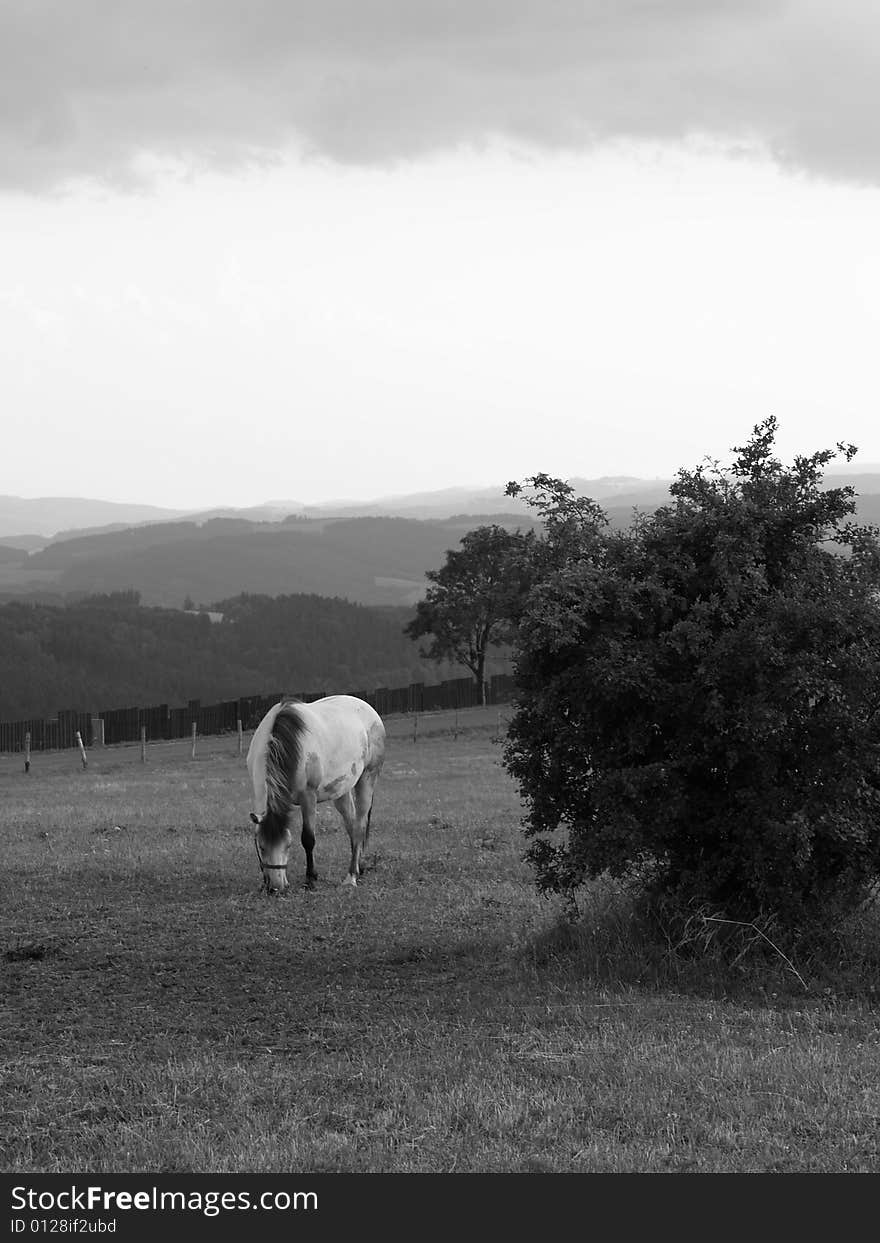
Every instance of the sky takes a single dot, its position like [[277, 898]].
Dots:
[[254, 250]]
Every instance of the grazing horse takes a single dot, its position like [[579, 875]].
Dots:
[[304, 754]]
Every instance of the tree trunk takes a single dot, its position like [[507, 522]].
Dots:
[[481, 680]]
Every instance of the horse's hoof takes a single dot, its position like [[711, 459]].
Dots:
[[350, 880]]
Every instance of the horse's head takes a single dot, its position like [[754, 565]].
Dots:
[[273, 846]]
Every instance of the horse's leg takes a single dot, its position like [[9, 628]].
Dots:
[[308, 806], [346, 808], [363, 806]]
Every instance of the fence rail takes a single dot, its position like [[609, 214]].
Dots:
[[163, 722]]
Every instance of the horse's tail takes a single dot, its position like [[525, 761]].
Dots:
[[283, 756]]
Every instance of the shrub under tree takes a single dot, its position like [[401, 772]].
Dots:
[[700, 694]]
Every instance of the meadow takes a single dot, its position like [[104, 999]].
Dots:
[[161, 1014]]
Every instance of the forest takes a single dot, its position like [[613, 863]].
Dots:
[[109, 651]]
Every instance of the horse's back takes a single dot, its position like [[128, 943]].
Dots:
[[351, 730], [342, 708], [344, 737]]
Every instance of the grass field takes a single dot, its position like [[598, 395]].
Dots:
[[162, 1014]]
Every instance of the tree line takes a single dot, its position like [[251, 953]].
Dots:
[[107, 651]]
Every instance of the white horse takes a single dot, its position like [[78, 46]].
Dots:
[[304, 754]]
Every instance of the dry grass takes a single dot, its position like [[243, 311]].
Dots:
[[161, 1014]]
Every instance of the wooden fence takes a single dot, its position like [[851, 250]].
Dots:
[[163, 722]]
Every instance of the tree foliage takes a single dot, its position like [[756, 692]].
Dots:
[[472, 598], [107, 652], [700, 694]]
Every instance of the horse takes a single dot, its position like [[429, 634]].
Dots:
[[303, 754]]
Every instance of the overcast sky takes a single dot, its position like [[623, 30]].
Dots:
[[313, 249]]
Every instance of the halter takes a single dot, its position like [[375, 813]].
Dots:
[[267, 867]]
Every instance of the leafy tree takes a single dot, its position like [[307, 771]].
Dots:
[[700, 695], [474, 597]]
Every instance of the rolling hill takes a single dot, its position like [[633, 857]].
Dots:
[[376, 561], [46, 515], [32, 522], [337, 550]]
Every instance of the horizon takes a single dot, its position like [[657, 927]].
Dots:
[[275, 510], [851, 468]]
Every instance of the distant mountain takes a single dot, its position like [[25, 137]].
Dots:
[[286, 507], [609, 490], [375, 561], [46, 515], [440, 504], [28, 522], [865, 480], [446, 502], [26, 543], [271, 511]]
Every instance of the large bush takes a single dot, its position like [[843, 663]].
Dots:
[[700, 694]]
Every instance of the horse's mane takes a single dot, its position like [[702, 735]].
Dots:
[[283, 756]]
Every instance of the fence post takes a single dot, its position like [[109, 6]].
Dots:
[[27, 752], [239, 735], [194, 728], [143, 744], [82, 750], [456, 722], [415, 727]]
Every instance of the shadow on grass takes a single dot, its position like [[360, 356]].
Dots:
[[619, 939], [166, 961]]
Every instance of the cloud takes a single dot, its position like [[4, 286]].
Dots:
[[90, 88]]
